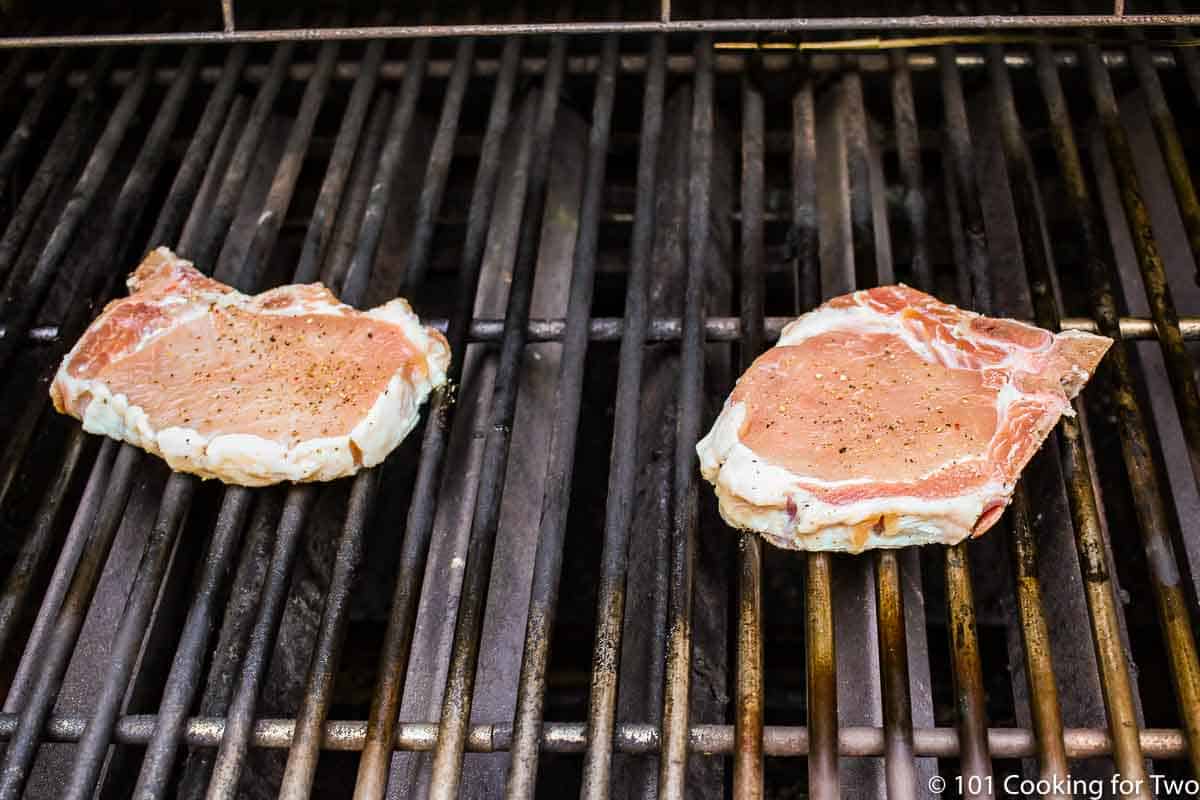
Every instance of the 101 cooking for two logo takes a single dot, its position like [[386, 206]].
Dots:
[[1083, 788]]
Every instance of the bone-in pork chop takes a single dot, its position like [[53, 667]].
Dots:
[[288, 385], [886, 418]]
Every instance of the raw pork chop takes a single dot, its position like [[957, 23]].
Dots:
[[289, 384], [886, 418]]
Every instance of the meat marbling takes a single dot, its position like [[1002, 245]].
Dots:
[[886, 418], [290, 384]]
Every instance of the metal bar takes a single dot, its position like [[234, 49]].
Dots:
[[748, 702], [702, 26], [22, 135], [279, 196], [636, 738], [236, 624], [231, 755], [856, 258], [456, 705], [1035, 636], [68, 557], [437, 169], [674, 755], [716, 329], [53, 654], [184, 677], [22, 302], [1168, 141], [893, 650], [129, 204], [302, 760], [212, 233], [899, 706], [332, 194], [36, 546], [968, 674], [55, 163], [908, 148], [1115, 678], [804, 232], [725, 61], [1180, 367], [389, 160], [1152, 510], [306, 741], [354, 204], [129, 207], [610, 609], [180, 488], [543, 598], [96, 737], [372, 773], [964, 645], [962, 179], [240, 716], [824, 781], [195, 160], [99, 488]]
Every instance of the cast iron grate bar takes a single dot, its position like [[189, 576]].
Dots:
[[460, 681], [1035, 636], [748, 702], [610, 606], [548, 557], [676, 694]]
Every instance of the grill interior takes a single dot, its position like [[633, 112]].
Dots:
[[535, 594]]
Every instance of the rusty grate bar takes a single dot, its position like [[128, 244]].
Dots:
[[302, 760], [456, 705], [1145, 480], [571, 737], [749, 700], [676, 700], [372, 772], [636, 63], [610, 606], [548, 557], [180, 489], [231, 756], [1035, 636], [1110, 654], [696, 26], [19, 139], [669, 329], [76, 127], [975, 285]]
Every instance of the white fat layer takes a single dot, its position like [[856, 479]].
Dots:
[[251, 460], [754, 493], [909, 527], [248, 459]]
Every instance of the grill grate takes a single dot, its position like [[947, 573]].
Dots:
[[77, 180]]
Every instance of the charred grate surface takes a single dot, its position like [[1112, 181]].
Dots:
[[534, 595]]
